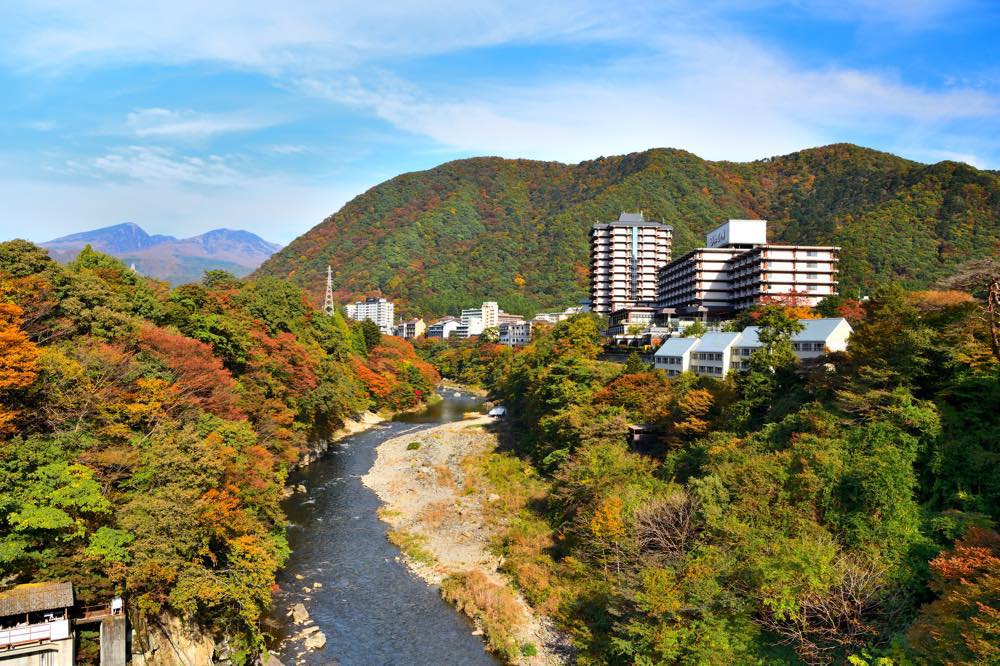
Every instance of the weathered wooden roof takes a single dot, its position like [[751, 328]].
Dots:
[[33, 597]]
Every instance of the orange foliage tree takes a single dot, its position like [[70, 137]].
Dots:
[[18, 360], [963, 625]]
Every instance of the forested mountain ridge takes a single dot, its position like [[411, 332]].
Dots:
[[516, 230]]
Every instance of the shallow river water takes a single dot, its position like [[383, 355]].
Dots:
[[372, 610]]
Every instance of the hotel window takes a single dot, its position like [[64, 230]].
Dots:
[[812, 287], [812, 253], [811, 276], [812, 264]]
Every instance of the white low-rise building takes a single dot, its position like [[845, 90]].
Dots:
[[674, 356], [443, 328], [713, 353], [716, 354], [515, 333]]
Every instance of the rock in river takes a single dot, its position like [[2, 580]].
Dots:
[[299, 613], [316, 641]]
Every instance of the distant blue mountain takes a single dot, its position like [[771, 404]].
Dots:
[[176, 260], [124, 237]]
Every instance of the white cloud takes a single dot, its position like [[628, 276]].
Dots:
[[288, 149], [721, 96], [188, 124], [270, 36], [154, 164]]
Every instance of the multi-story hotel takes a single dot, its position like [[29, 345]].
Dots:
[[738, 268], [624, 258], [809, 272], [378, 310]]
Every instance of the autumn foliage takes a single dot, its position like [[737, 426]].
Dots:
[[155, 429], [18, 359], [199, 378]]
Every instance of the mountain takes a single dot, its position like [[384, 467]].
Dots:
[[168, 258], [517, 230], [120, 238]]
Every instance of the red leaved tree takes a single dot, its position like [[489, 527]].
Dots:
[[199, 377]]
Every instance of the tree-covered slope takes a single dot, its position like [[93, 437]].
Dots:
[[516, 230]]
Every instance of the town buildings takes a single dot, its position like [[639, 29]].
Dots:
[[556, 317], [515, 334], [443, 328], [625, 256], [716, 354], [378, 310], [414, 328], [738, 268]]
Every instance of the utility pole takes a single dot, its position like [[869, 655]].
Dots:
[[328, 306]]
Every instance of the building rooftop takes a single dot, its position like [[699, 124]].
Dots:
[[817, 330], [631, 220], [717, 342], [676, 346], [34, 597]]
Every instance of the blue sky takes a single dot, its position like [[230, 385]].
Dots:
[[187, 116]]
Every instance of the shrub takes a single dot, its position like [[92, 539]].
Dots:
[[491, 605], [413, 446]]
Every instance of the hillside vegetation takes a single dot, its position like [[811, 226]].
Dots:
[[146, 433], [841, 512], [516, 230]]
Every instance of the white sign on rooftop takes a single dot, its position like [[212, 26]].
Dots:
[[738, 232]]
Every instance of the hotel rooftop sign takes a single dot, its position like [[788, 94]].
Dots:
[[738, 232]]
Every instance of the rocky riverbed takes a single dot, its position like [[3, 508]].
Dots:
[[439, 522]]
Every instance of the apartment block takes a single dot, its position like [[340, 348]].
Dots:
[[515, 334], [625, 256], [378, 310], [738, 268], [476, 320], [413, 328]]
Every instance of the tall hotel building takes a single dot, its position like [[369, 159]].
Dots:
[[378, 310], [739, 268], [624, 258]]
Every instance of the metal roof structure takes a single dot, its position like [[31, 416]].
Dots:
[[814, 330], [676, 346], [717, 342], [631, 220], [34, 597], [819, 330]]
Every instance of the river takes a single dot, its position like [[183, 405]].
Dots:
[[370, 607]]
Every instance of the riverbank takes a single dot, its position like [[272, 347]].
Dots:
[[440, 520]]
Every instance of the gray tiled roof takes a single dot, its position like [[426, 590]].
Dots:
[[33, 597]]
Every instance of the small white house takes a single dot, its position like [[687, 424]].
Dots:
[[712, 355], [674, 355]]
